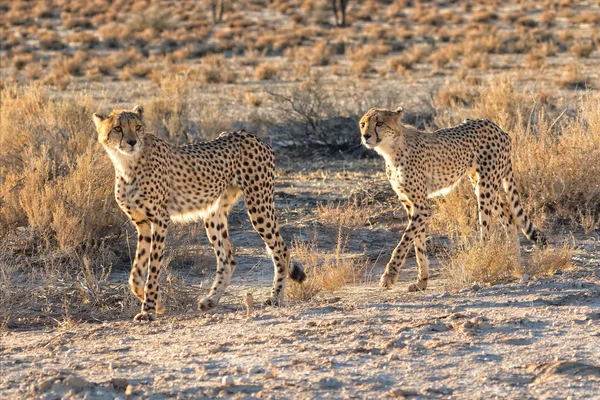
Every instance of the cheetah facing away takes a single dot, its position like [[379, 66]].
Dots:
[[422, 165], [157, 182]]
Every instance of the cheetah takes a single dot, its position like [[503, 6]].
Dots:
[[422, 165], [157, 182]]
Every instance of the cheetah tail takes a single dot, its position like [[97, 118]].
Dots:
[[522, 219], [297, 273]]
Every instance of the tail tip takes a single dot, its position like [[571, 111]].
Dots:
[[297, 273]]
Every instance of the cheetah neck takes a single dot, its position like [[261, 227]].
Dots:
[[390, 148], [124, 164]]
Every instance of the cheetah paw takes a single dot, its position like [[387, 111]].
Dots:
[[160, 308], [206, 304], [387, 280], [144, 316], [273, 301], [418, 286]]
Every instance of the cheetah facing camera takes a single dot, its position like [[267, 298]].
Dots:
[[422, 165], [157, 182]]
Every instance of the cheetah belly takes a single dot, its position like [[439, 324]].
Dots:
[[443, 191]]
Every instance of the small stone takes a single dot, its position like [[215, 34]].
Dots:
[[44, 386], [76, 383], [130, 390], [398, 392], [475, 288], [253, 371], [524, 278], [484, 326], [227, 381], [269, 374], [119, 384], [329, 383]]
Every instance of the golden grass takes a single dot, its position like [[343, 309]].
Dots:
[[325, 272], [55, 180], [474, 261]]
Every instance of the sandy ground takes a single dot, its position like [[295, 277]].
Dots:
[[538, 338]]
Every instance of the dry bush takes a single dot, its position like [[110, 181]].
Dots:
[[214, 68], [253, 99], [582, 49], [51, 41], [484, 16], [308, 117], [547, 17], [483, 262], [325, 272], [573, 78], [476, 60], [586, 17], [535, 59], [548, 150], [266, 72], [55, 181], [361, 67], [453, 95], [317, 55], [349, 215], [548, 261], [168, 114], [456, 215], [368, 52]]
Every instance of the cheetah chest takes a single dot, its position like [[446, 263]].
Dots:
[[129, 196]]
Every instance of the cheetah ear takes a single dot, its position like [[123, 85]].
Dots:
[[98, 118], [139, 110], [399, 110]]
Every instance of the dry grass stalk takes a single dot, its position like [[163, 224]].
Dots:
[[483, 262], [326, 272]]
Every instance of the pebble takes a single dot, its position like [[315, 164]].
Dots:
[[398, 392], [119, 384], [130, 390], [524, 278], [269, 374], [227, 381], [253, 370]]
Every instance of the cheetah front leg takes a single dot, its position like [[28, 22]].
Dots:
[[151, 304], [142, 258], [416, 226]]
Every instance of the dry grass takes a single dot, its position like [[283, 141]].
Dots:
[[473, 261], [55, 180], [549, 261], [326, 272], [266, 72]]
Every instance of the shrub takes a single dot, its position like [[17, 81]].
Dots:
[[55, 181]]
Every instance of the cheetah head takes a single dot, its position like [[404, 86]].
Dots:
[[378, 125], [121, 130]]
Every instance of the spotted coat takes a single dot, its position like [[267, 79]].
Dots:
[[157, 183], [423, 165]]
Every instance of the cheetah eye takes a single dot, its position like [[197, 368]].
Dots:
[[118, 129], [379, 123], [362, 124], [138, 127]]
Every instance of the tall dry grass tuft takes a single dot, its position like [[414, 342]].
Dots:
[[326, 272], [54, 178], [552, 151], [483, 262]]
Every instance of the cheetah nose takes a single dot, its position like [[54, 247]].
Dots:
[[132, 142], [367, 136]]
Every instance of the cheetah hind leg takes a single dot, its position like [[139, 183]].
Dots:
[[216, 230]]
